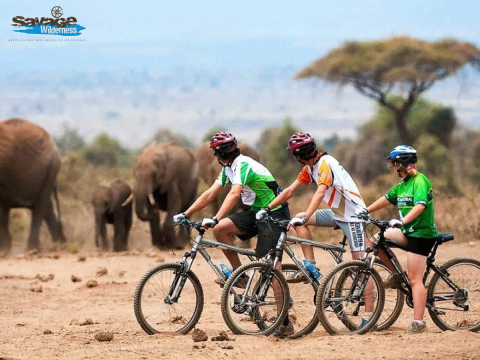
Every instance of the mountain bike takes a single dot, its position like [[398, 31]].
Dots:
[[302, 308], [453, 293], [169, 297]]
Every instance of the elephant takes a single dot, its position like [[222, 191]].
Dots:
[[210, 168], [112, 205], [29, 165], [166, 178]]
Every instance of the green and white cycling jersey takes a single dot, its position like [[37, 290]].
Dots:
[[409, 192], [259, 186]]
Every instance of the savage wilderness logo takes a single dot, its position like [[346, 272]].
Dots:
[[57, 25]]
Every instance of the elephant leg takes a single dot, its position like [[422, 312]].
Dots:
[[119, 235], [54, 226], [103, 233], [155, 230], [128, 224], [101, 240], [174, 206], [38, 213], [5, 238]]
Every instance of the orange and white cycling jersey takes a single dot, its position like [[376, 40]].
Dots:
[[342, 195]]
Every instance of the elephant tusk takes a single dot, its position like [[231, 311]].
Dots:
[[128, 201], [152, 199]]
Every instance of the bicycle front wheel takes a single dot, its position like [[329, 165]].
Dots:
[[255, 299], [342, 304], [156, 308], [302, 311], [456, 298]]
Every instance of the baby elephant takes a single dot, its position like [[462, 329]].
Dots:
[[113, 205]]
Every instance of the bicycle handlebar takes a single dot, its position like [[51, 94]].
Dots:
[[281, 223], [196, 225], [382, 224]]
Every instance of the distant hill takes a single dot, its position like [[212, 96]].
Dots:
[[131, 105]]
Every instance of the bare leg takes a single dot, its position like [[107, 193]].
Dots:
[[393, 234], [416, 265], [277, 290], [223, 232], [304, 233]]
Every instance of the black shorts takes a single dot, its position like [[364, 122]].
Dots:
[[268, 233], [420, 246]]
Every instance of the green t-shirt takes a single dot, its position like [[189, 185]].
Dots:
[[259, 186], [408, 193]]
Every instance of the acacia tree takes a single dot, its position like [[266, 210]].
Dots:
[[397, 65]]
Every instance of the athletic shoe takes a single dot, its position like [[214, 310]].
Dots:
[[417, 328], [240, 283], [284, 331]]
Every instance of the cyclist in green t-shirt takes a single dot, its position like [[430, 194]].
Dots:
[[416, 227]]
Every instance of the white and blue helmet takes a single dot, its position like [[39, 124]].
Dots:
[[404, 154]]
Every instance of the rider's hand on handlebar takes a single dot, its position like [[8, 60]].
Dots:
[[297, 221], [395, 223], [361, 212], [179, 218], [262, 214], [209, 222]]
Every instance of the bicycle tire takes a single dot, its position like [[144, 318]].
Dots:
[[140, 289], [314, 320], [449, 266], [394, 295], [324, 292], [261, 326]]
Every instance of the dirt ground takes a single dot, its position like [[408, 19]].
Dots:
[[26, 316]]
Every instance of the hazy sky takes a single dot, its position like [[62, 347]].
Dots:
[[222, 34]]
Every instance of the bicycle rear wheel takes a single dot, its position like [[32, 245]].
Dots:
[[340, 305], [155, 312], [456, 307], [255, 310], [302, 303]]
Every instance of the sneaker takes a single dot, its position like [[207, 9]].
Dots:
[[284, 330], [240, 283], [364, 322], [393, 282], [416, 328]]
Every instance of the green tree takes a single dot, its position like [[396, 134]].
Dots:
[[401, 65], [283, 166], [431, 126], [69, 140], [165, 135], [105, 150]]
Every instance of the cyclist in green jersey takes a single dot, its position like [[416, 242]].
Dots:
[[254, 184], [416, 227]]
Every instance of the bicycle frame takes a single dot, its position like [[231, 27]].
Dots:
[[200, 245], [384, 243], [282, 245]]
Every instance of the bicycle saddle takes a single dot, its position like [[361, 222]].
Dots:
[[443, 238]]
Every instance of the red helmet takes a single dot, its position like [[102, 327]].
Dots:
[[223, 142], [302, 145]]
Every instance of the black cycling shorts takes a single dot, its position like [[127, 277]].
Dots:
[[420, 246], [267, 232]]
